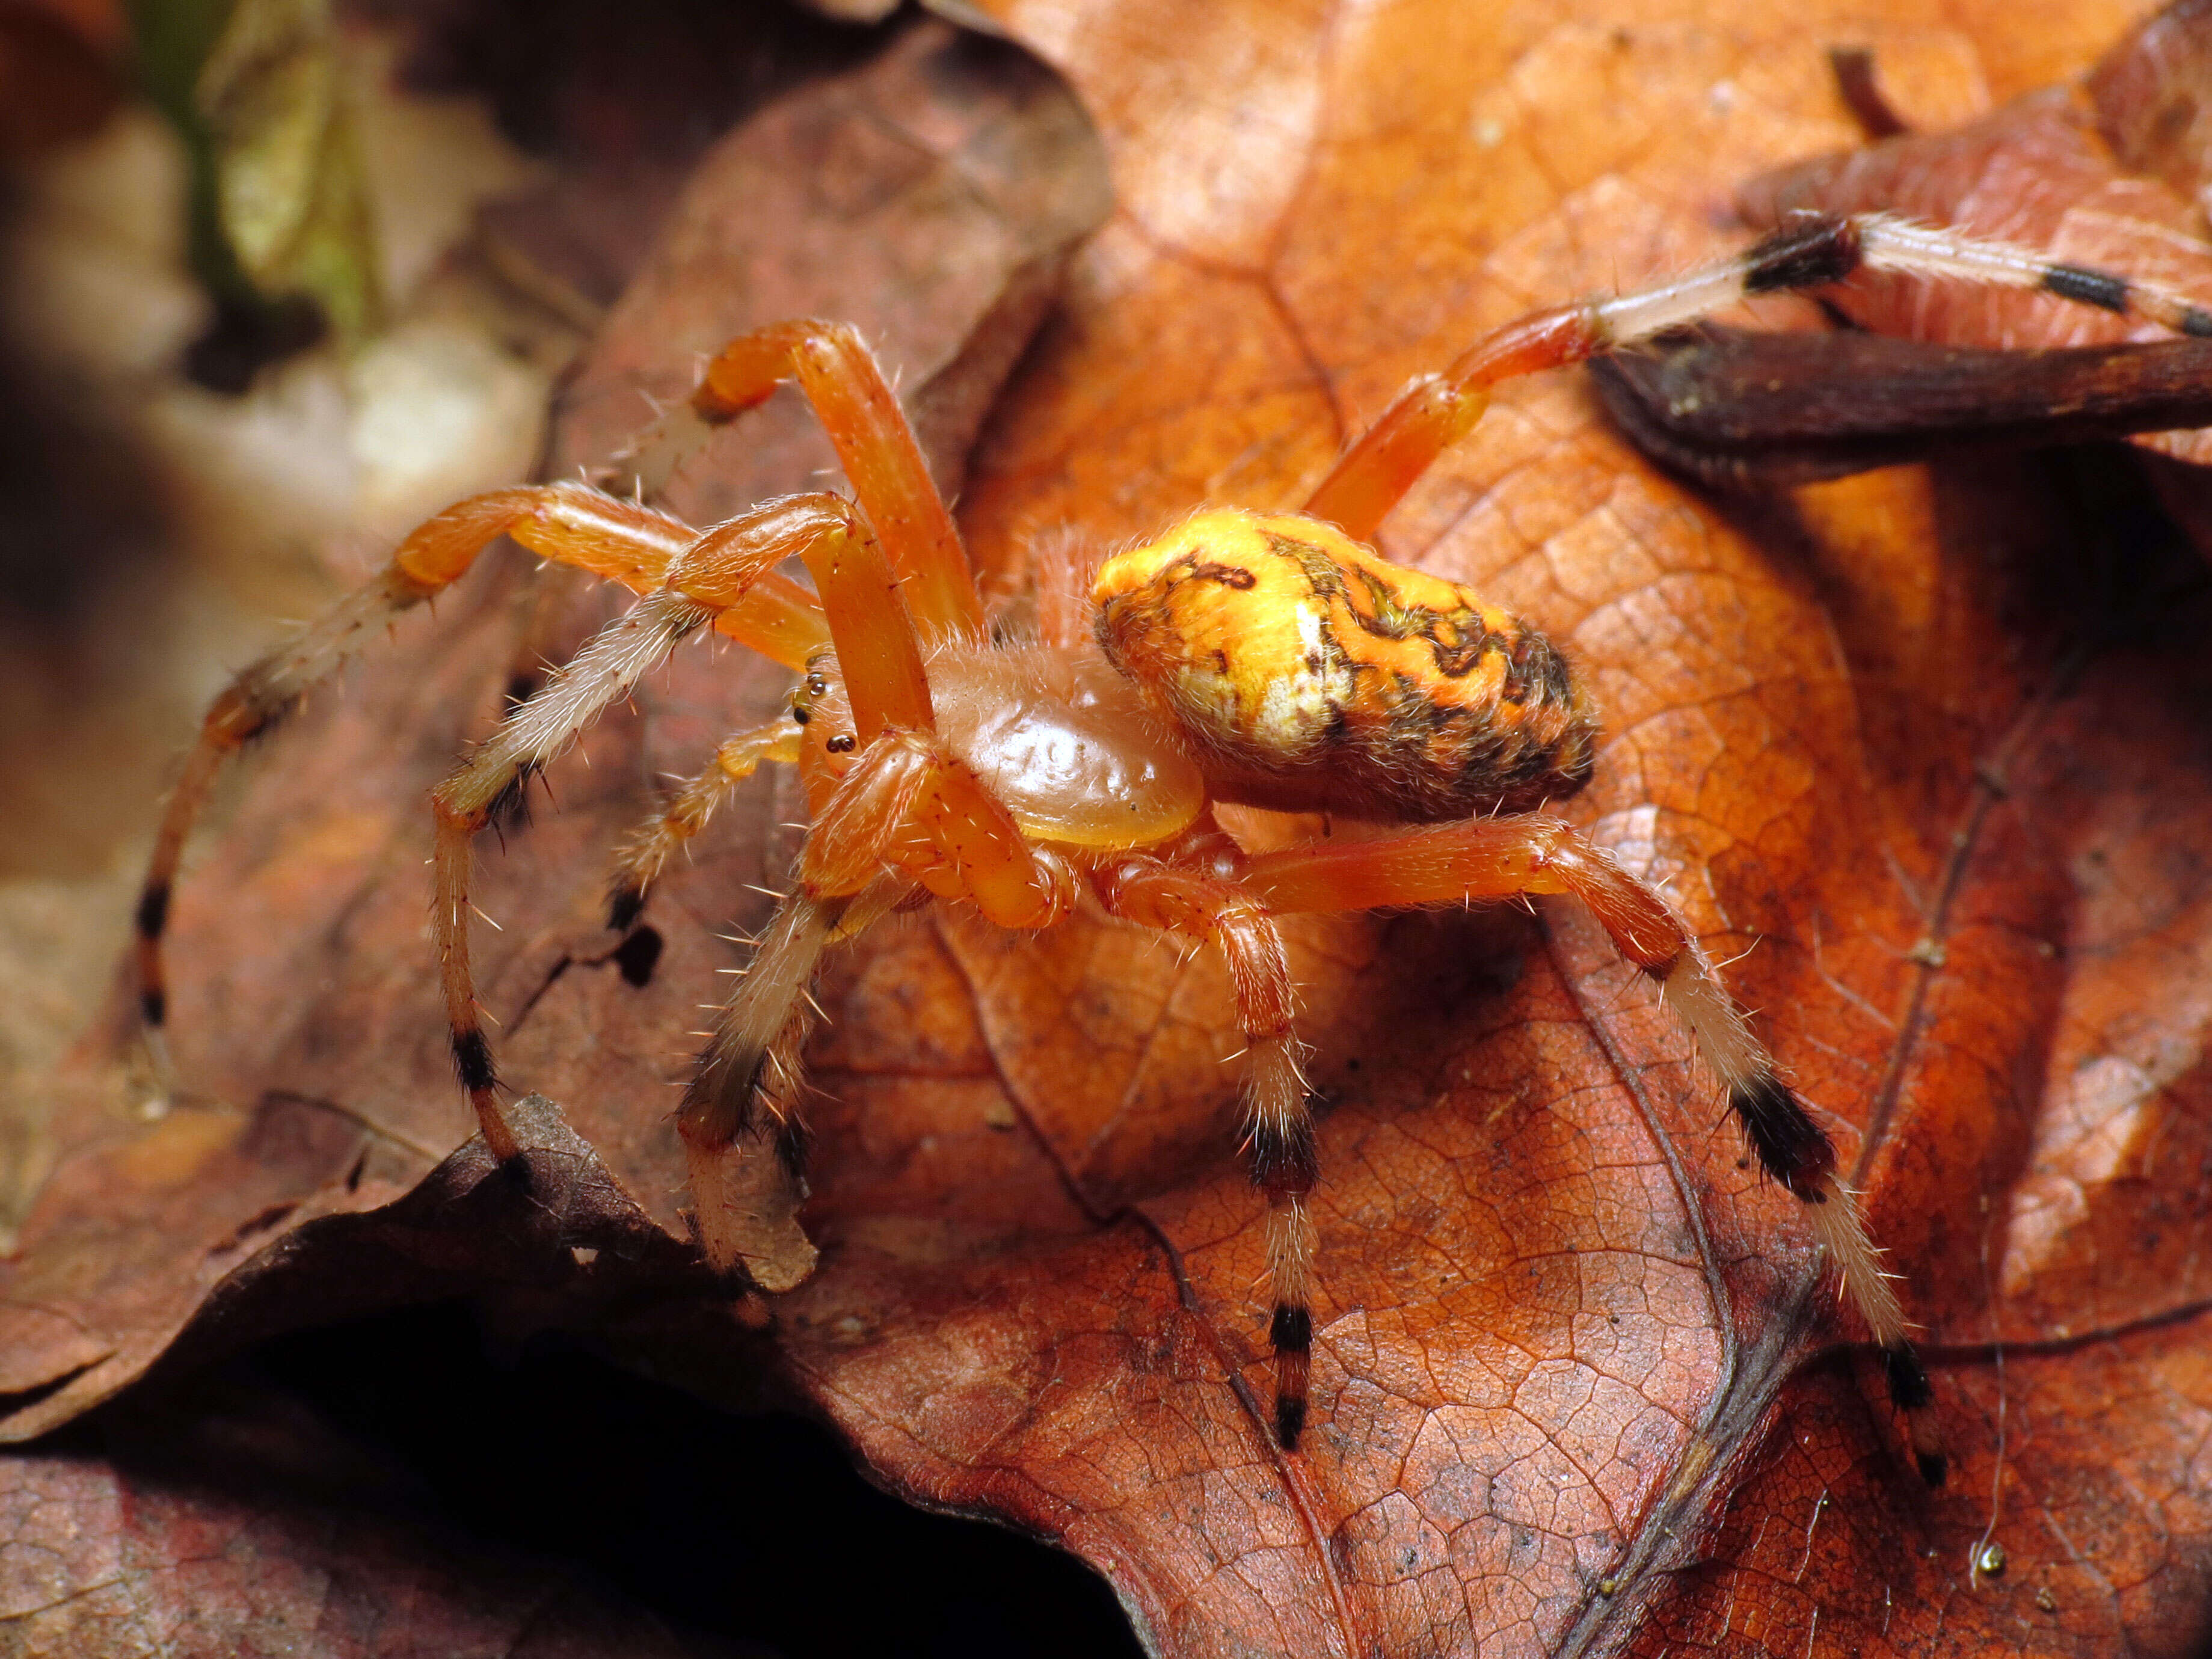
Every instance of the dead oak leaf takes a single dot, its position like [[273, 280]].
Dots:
[[1833, 726], [1559, 1319], [305, 1102]]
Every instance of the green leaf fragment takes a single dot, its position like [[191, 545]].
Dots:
[[281, 205]]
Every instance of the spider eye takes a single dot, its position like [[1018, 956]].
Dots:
[[843, 744], [816, 684], [801, 712]]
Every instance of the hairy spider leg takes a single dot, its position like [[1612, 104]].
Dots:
[[753, 1060], [1278, 1132], [845, 385], [907, 812], [568, 523], [904, 812], [1062, 563], [714, 579], [911, 802], [883, 594], [1491, 857], [688, 808], [875, 447], [908, 807], [1434, 411]]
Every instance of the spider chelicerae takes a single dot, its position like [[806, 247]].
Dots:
[[1268, 659]]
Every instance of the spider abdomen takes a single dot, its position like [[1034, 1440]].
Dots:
[[1314, 675]]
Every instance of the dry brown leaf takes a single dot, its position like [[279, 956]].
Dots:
[[246, 1528], [1579, 1387], [923, 149]]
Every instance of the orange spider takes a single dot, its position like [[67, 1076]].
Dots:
[[1270, 660]]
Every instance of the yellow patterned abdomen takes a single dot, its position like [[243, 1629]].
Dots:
[[1312, 674]]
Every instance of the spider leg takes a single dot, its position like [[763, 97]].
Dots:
[[754, 1057], [861, 597], [688, 810], [909, 803], [1484, 858], [713, 579], [1278, 1133], [493, 779], [857, 408], [871, 630], [1435, 411], [568, 523], [907, 811]]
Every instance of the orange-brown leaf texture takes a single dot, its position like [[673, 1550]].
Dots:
[[1921, 756]]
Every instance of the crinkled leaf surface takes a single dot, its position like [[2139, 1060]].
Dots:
[[137, 1225], [1913, 750]]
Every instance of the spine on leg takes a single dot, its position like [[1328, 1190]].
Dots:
[[1797, 1152]]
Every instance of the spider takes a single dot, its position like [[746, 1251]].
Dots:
[[1268, 659]]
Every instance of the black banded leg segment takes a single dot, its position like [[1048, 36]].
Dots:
[[492, 780], [752, 1067], [752, 1062], [1278, 1129], [1492, 858], [1815, 250], [1818, 249], [1811, 251], [255, 701], [1795, 1151], [1286, 1167]]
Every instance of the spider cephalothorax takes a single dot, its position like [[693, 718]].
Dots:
[[1268, 659]]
